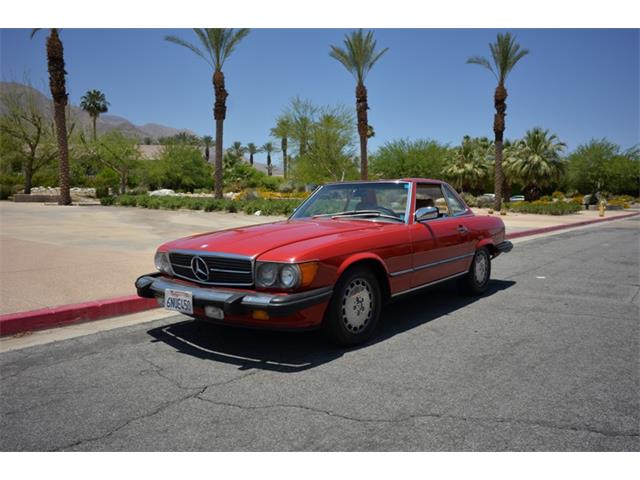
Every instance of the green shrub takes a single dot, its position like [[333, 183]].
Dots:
[[266, 207], [545, 208], [469, 199], [557, 195]]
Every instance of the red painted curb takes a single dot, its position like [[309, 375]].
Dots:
[[13, 323], [536, 231]]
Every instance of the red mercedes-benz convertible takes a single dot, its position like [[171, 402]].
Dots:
[[345, 252]]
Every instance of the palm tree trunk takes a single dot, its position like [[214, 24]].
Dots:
[[28, 176], [363, 124], [499, 99], [55, 60], [219, 114], [269, 169], [250, 158], [206, 153], [283, 145], [95, 134]]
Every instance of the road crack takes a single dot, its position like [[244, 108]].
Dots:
[[408, 418]]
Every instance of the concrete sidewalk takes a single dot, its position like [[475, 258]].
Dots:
[[51, 255]]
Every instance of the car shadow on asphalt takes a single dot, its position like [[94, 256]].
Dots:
[[296, 351]]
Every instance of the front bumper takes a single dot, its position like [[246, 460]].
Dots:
[[235, 302]]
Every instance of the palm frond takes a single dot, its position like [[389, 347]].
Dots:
[[359, 54], [483, 62], [34, 31], [190, 46]]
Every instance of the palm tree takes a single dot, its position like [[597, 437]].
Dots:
[[217, 45], [505, 53], [269, 148], [283, 130], [537, 162], [238, 150], [94, 103], [57, 84], [207, 141], [252, 150], [358, 57], [468, 166]]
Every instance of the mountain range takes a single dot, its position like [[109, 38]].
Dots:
[[105, 122]]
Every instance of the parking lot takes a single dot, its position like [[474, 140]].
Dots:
[[546, 360]]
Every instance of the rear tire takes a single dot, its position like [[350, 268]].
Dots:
[[354, 310], [476, 281]]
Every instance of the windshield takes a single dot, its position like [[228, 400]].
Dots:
[[377, 201]]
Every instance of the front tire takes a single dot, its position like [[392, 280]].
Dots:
[[354, 310], [476, 281]]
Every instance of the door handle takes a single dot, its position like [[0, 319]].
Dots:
[[462, 229]]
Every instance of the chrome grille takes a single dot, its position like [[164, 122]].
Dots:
[[223, 269]]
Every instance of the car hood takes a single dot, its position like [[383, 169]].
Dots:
[[256, 240]]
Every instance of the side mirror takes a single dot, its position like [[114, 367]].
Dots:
[[426, 213]]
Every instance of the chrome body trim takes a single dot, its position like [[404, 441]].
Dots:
[[432, 264], [413, 289]]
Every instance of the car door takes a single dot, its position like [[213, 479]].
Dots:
[[442, 247]]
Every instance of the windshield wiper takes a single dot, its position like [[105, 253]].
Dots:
[[359, 213]]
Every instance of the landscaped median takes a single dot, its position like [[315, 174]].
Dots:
[[14, 323]]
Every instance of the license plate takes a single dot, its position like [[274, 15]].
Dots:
[[178, 301]]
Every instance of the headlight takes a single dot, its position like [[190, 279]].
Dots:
[[266, 274], [289, 276], [162, 262], [285, 275]]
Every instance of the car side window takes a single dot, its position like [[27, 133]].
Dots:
[[431, 196], [455, 204]]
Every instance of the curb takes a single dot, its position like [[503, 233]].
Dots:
[[536, 231], [50, 317], [13, 323]]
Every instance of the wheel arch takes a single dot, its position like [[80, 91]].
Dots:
[[489, 245], [375, 264]]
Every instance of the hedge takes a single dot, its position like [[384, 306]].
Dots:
[[266, 207], [545, 208]]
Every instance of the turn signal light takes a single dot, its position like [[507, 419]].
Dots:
[[260, 315], [308, 272]]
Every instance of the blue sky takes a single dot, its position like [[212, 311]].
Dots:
[[581, 84]]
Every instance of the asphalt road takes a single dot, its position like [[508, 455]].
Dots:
[[547, 360]]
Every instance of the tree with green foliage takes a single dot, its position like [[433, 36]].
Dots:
[[118, 153], [329, 154], [28, 136], [409, 158], [252, 149], [238, 149], [57, 84], [601, 166], [217, 44], [537, 162], [181, 138], [207, 141], [358, 56], [283, 130], [505, 54], [302, 115], [468, 165], [180, 167], [269, 148], [94, 103]]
